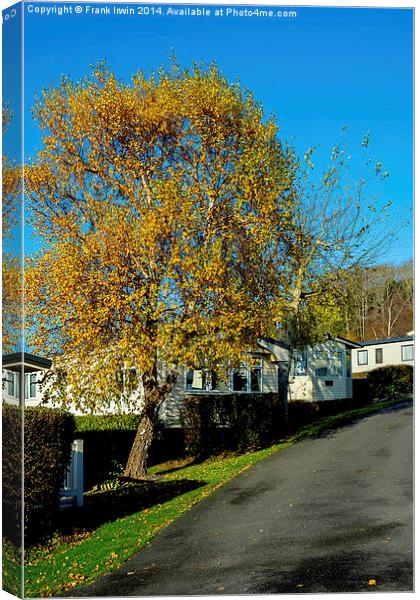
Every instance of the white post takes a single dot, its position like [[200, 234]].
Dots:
[[77, 449]]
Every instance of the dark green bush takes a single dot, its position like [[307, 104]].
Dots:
[[12, 473], [107, 443], [301, 412], [108, 440], [333, 407], [105, 454], [391, 382], [361, 390], [48, 435], [232, 422]]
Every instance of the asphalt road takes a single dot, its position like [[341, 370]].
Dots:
[[324, 515]]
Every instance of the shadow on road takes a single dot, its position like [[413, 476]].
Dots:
[[395, 407], [105, 506], [342, 571]]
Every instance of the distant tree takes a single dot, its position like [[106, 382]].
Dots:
[[337, 228], [155, 203], [358, 302], [381, 301]]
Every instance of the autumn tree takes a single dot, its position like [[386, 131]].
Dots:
[[11, 262], [154, 203]]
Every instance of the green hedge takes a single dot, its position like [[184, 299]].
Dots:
[[391, 381], [301, 412], [108, 440], [48, 437], [12, 473], [240, 422], [107, 422]]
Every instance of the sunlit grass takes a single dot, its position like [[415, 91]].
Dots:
[[11, 569]]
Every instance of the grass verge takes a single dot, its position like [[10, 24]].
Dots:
[[52, 569], [11, 569]]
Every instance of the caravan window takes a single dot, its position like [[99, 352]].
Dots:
[[195, 379], [328, 363], [246, 378], [299, 363], [348, 363], [240, 379], [407, 352], [203, 380], [30, 385], [256, 378], [10, 383], [13, 384], [362, 357]]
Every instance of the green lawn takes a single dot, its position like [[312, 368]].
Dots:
[[125, 519], [11, 569]]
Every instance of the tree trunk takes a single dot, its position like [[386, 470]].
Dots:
[[154, 394], [283, 382], [137, 461]]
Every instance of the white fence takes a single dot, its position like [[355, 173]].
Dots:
[[72, 492]]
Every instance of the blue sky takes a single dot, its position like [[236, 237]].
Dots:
[[317, 72]]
